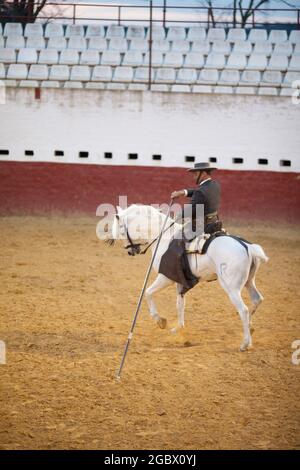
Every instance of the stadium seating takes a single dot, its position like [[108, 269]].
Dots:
[[184, 59]]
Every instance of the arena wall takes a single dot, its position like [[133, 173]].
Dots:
[[173, 125]]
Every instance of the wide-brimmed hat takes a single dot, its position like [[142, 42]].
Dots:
[[202, 167]]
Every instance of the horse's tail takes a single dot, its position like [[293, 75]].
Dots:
[[257, 252]]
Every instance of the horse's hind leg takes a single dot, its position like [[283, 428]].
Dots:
[[234, 294], [254, 294], [160, 283]]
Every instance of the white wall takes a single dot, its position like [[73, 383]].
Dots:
[[171, 124]]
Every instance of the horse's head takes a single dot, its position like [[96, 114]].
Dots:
[[130, 225]]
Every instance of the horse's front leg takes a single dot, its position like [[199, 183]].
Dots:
[[160, 283], [180, 309]]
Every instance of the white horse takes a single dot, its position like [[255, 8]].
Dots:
[[226, 259]]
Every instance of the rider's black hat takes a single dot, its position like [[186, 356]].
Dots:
[[202, 167]]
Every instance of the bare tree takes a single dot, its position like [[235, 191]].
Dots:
[[21, 11]]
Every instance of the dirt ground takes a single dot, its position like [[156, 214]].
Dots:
[[67, 301]]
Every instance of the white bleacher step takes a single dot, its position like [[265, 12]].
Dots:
[[236, 34], [74, 30], [15, 42], [33, 30], [115, 31], [48, 56], [135, 31], [38, 72], [10, 83], [95, 30], [69, 57], [202, 89], [17, 71], [186, 76], [236, 61], [221, 47], [245, 90], [173, 59], [50, 84], [203, 47], [59, 72], [158, 32], [80, 73], [35, 42], [257, 62], [137, 87], [278, 62], [90, 57], [156, 59], [97, 43], [285, 48], [139, 45], [73, 84], [161, 45], [216, 33], [277, 36], [180, 45], [102, 73], [15, 29], [110, 58], [196, 33], [54, 30], [256, 35], [251, 77], [287, 92], [297, 49], [242, 47], [1, 41], [176, 32], [271, 78], [29, 84], [7, 56], [164, 88], [27, 56], [123, 74], [229, 77], [133, 58], [290, 78], [142, 74], [118, 44], [262, 47], [181, 88], [165, 75], [215, 61], [57, 42], [268, 91], [116, 86], [77, 43], [294, 37], [224, 90], [294, 64], [95, 85], [208, 77], [194, 60]]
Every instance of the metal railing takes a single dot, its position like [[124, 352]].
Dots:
[[164, 14]]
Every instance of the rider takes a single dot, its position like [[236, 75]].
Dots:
[[208, 194]]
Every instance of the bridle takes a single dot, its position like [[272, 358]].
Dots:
[[136, 247]]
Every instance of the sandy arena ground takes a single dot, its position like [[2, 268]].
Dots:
[[67, 301]]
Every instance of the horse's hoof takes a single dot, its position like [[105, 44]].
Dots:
[[162, 323], [244, 347]]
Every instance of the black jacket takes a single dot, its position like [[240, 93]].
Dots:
[[208, 194]]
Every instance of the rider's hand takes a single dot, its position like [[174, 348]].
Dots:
[[176, 194]]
